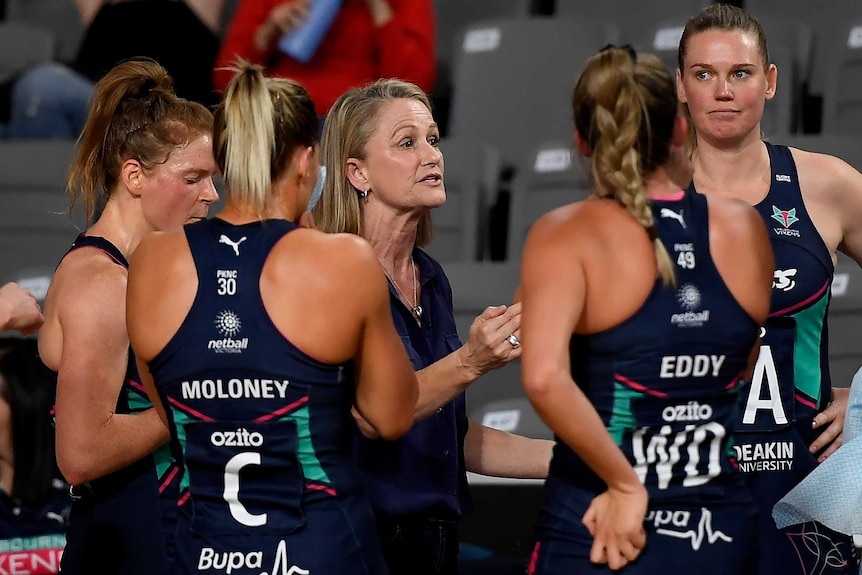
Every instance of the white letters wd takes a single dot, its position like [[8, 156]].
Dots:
[[231, 489], [765, 368], [662, 451]]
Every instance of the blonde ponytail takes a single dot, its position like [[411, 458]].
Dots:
[[258, 125]]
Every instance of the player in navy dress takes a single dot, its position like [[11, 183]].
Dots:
[[790, 417], [146, 155], [34, 499], [260, 336], [641, 308]]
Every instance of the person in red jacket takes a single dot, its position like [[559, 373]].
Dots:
[[368, 39]]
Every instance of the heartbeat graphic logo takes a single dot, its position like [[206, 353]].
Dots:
[[704, 532], [235, 245]]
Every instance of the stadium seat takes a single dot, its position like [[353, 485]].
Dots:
[[782, 114], [634, 17], [842, 94], [845, 319], [514, 79], [475, 286], [452, 17], [471, 173], [22, 46], [794, 33], [831, 23], [551, 175], [826, 19], [58, 16], [844, 146], [35, 227], [515, 415], [662, 39]]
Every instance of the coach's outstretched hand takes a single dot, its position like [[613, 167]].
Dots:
[[488, 347]]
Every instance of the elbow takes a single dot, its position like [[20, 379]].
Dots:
[[73, 463], [395, 428], [74, 470], [391, 415], [537, 383], [391, 423], [396, 423]]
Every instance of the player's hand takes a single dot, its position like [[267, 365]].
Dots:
[[833, 416], [615, 520]]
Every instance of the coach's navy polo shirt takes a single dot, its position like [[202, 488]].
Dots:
[[423, 472]]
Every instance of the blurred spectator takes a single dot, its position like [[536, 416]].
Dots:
[[34, 501], [51, 100], [367, 40]]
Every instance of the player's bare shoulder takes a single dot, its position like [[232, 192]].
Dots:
[[332, 259], [736, 227], [86, 275], [578, 219], [732, 216], [823, 174]]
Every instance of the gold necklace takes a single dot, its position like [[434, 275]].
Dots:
[[415, 308]]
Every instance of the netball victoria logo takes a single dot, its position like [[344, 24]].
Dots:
[[689, 299], [228, 325]]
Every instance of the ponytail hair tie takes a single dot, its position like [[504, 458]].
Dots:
[[627, 47]]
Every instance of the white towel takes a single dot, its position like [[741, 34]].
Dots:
[[832, 493]]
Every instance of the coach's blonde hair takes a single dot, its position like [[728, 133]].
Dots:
[[348, 128]]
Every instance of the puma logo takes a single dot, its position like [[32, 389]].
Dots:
[[235, 245], [668, 213]]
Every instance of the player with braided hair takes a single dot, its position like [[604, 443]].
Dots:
[[641, 308]]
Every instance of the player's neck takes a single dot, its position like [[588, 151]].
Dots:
[[718, 169]]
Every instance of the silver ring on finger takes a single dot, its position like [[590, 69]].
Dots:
[[514, 341]]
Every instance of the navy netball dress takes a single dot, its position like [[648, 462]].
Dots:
[[791, 382], [665, 383], [262, 431], [119, 522]]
